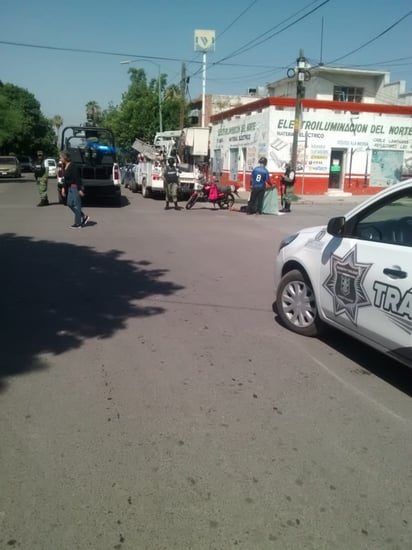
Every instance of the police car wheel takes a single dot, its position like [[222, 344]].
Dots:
[[296, 304]]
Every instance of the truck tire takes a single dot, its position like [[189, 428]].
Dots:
[[133, 185]]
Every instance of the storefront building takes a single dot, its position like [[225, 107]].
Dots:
[[343, 147]]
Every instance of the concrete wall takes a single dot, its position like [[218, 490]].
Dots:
[[376, 86]]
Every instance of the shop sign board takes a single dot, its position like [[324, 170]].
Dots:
[[384, 141]]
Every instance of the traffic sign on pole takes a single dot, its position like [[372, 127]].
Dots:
[[204, 40]]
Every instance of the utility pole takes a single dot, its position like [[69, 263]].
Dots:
[[301, 74], [203, 88], [182, 97]]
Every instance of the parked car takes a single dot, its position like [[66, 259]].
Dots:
[[26, 163], [10, 167], [52, 166], [355, 274]]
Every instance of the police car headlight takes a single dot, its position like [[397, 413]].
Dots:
[[287, 240]]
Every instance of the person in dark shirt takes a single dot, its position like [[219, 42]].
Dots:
[[171, 182], [73, 190]]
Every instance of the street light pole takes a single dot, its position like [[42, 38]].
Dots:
[[159, 85], [301, 75], [204, 88], [159, 90]]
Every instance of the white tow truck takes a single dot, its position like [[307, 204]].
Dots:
[[190, 147], [148, 171]]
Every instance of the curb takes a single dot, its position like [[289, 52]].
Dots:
[[236, 208], [296, 204]]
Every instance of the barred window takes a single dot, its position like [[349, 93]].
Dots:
[[345, 93]]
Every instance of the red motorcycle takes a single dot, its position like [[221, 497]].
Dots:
[[224, 197]]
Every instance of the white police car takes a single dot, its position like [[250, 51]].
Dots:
[[354, 274]]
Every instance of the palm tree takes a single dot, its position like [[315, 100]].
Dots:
[[172, 92], [57, 123], [93, 113]]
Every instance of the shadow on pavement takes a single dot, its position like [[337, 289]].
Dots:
[[56, 295], [369, 360], [104, 202]]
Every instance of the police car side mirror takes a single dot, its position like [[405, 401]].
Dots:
[[336, 226]]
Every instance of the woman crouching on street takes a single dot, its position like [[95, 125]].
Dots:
[[73, 190]]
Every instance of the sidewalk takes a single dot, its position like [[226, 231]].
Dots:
[[326, 198]]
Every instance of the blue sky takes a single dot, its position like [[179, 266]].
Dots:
[[64, 81]]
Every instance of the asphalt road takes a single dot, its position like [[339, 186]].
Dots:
[[150, 400]]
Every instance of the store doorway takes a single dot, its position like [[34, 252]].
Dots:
[[244, 159], [234, 155], [217, 168], [336, 168]]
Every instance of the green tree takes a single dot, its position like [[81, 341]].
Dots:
[[24, 128], [93, 113], [172, 105], [137, 116], [11, 123]]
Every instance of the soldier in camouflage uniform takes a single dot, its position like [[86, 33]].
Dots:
[[41, 173], [171, 183], [288, 181]]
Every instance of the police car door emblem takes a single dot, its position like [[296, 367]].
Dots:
[[345, 284]]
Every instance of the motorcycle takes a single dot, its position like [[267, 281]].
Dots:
[[224, 197]]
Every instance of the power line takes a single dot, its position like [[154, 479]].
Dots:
[[372, 64], [226, 29], [372, 39], [97, 52], [242, 77], [221, 34], [256, 42], [124, 54], [237, 18]]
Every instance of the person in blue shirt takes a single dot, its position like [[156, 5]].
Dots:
[[258, 180]]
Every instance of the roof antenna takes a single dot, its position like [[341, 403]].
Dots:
[[321, 45]]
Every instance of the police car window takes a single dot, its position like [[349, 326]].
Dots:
[[391, 223]]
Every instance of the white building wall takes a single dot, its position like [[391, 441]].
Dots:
[[376, 85], [373, 149], [395, 93]]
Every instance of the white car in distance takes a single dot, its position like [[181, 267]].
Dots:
[[52, 166]]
